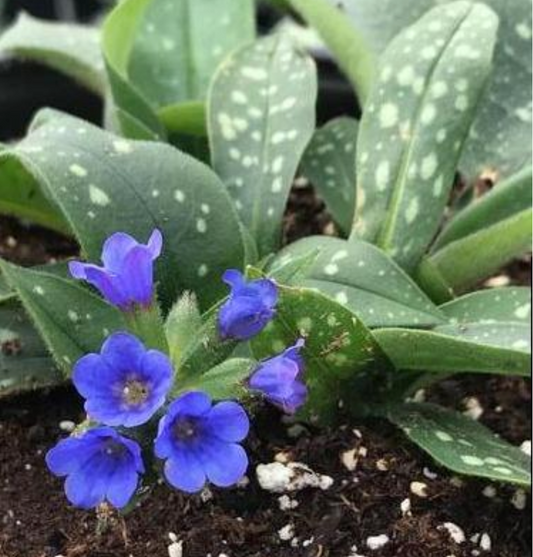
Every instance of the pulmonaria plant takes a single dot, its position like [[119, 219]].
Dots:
[[126, 385]]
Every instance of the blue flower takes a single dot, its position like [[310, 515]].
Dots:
[[126, 279], [125, 384], [249, 308], [278, 379], [200, 442], [100, 465]]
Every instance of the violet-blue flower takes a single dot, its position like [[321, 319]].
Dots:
[[126, 278], [199, 442], [100, 465], [249, 308], [279, 379], [125, 384]]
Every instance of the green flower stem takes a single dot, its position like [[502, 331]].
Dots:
[[147, 324], [347, 45], [429, 278]]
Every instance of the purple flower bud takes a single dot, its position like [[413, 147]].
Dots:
[[125, 384], [249, 308], [278, 379], [100, 465], [199, 442], [126, 279]]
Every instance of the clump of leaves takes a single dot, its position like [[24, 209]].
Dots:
[[384, 309]]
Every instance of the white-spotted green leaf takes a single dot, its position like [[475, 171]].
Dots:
[[103, 184], [503, 201], [261, 114], [364, 279], [25, 363], [66, 47], [180, 43], [450, 352], [344, 367], [71, 320], [414, 125], [475, 257], [461, 444], [512, 305], [500, 140], [329, 164], [222, 382]]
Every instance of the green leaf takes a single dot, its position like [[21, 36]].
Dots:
[[348, 46], [180, 43], [66, 47], [329, 163], [440, 352], [133, 114], [261, 113], [182, 325], [20, 196], [344, 366], [465, 262], [71, 320], [365, 280], [511, 304], [25, 363], [500, 139], [461, 444], [503, 201], [416, 120], [187, 118], [103, 184], [224, 381]]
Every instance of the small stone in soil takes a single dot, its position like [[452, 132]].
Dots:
[[519, 499]]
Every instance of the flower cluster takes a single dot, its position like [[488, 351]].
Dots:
[[127, 385]]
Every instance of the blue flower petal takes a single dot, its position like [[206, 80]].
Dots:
[[155, 243], [123, 351], [109, 285], [122, 485], [228, 421], [234, 278], [193, 403], [266, 290], [92, 376], [224, 463], [185, 472], [115, 249], [64, 458]]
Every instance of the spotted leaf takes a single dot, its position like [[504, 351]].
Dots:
[[71, 320], [102, 184], [25, 363], [364, 279], [461, 444], [415, 123], [344, 367], [68, 48], [329, 163], [260, 118], [477, 348]]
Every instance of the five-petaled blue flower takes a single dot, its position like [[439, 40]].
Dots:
[[249, 308], [126, 279], [200, 442], [125, 384], [100, 465], [279, 379]]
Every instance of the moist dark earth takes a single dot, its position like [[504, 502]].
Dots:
[[247, 521]]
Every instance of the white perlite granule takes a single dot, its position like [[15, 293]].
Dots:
[[279, 477], [456, 533], [175, 549], [377, 542], [286, 533], [525, 447]]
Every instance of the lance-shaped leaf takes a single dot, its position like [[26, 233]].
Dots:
[[66, 47], [461, 444], [25, 362], [344, 366], [414, 125], [261, 113], [364, 279], [71, 320], [499, 143], [455, 351], [103, 184], [329, 163], [468, 260], [180, 43], [505, 200], [512, 305]]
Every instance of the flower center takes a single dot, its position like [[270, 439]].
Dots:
[[185, 429], [135, 392], [113, 449]]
